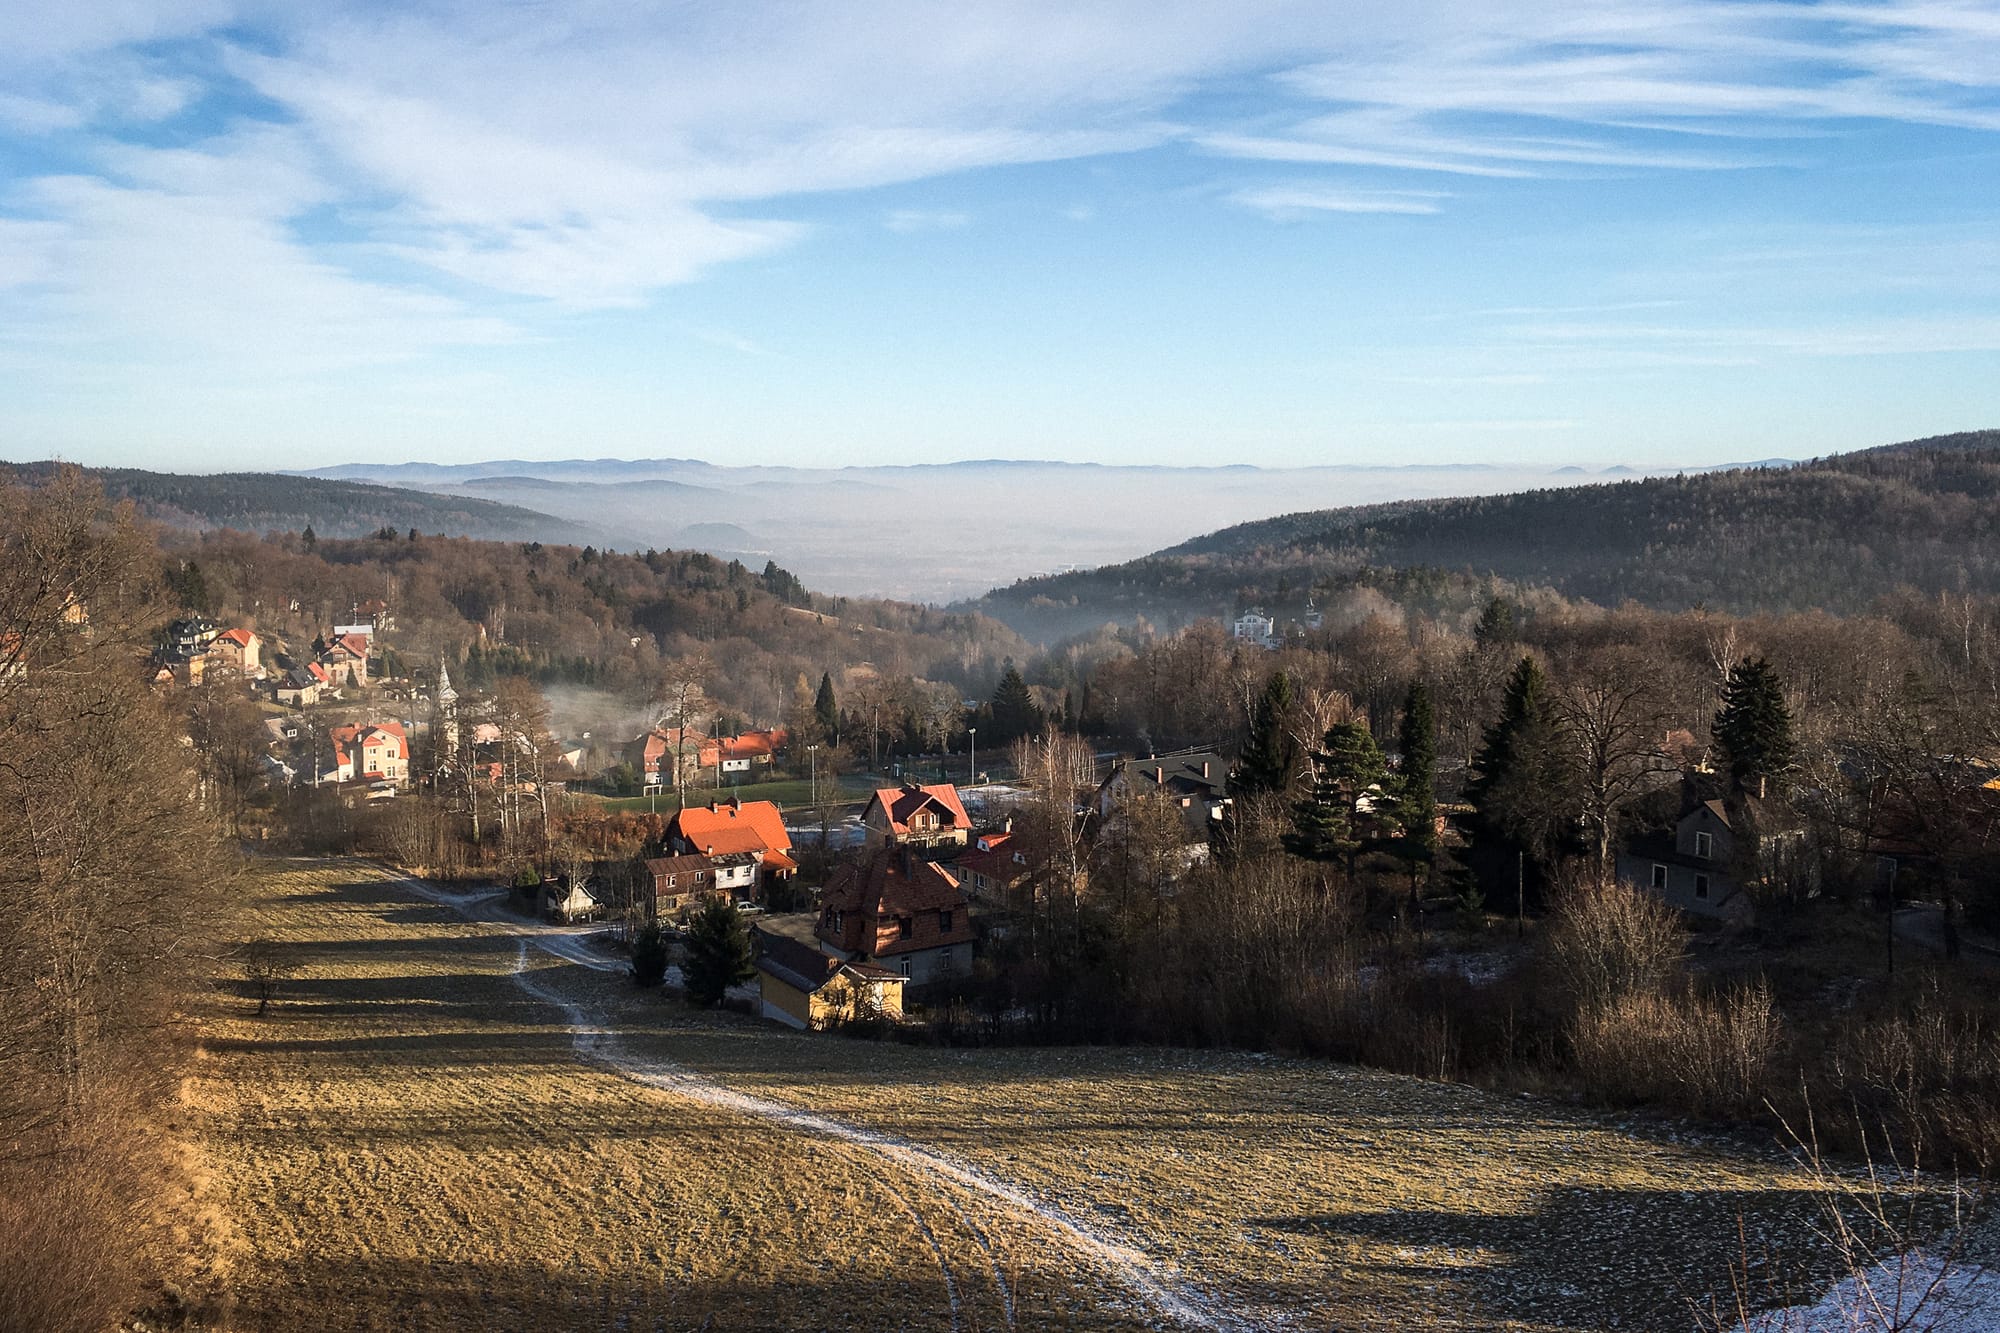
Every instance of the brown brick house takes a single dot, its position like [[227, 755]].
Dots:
[[903, 913]]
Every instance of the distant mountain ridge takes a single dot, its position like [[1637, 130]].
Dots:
[[1835, 532], [261, 502], [935, 532]]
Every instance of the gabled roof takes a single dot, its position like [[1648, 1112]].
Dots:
[[362, 734], [733, 826], [886, 885], [240, 637], [904, 803], [1001, 856], [1192, 773], [749, 745]]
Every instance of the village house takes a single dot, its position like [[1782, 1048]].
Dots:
[[722, 828], [1253, 626], [663, 751], [930, 817], [681, 882], [1196, 781], [298, 687], [376, 612], [345, 659], [803, 988], [896, 910], [369, 752], [1693, 866], [569, 901], [993, 867], [239, 650]]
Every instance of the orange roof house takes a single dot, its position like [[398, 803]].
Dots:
[[756, 827], [911, 815]]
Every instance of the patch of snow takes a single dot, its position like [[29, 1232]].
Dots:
[[1913, 1292]]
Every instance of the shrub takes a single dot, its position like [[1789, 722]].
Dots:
[[1606, 941], [649, 955]]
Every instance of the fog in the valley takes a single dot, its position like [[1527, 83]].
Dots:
[[941, 532]]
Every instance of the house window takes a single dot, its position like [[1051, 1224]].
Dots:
[[903, 966], [1701, 887], [944, 959], [1659, 876], [905, 927], [1704, 845], [944, 919]]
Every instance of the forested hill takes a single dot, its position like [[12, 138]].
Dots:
[[1836, 533], [265, 502]]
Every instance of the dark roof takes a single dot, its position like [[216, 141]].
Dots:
[[1179, 773], [793, 962]]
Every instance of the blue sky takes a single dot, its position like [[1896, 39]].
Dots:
[[246, 235]]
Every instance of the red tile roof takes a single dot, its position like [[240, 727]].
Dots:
[[734, 826], [240, 637], [903, 803], [360, 734]]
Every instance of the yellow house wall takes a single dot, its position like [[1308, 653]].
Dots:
[[788, 998]]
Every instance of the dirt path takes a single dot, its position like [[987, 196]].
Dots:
[[1178, 1301]]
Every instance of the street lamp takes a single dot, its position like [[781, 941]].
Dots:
[[972, 777], [812, 768]]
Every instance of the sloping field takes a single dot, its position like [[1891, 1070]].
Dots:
[[442, 1124]]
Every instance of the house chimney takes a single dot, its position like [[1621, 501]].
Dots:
[[1160, 775], [1204, 768]]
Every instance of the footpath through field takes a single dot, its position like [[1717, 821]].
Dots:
[[456, 1118], [1170, 1297]]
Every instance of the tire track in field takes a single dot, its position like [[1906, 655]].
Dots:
[[1177, 1301]]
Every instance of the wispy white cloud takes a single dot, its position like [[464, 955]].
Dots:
[[1290, 203]]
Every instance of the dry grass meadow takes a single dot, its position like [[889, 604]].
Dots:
[[416, 1137]]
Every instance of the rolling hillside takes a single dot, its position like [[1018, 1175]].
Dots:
[[1836, 533], [264, 502]]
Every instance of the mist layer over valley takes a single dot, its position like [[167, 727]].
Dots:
[[934, 533]]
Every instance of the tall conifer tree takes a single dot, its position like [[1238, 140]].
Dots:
[[1754, 729]]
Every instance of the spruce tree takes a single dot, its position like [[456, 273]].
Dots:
[[1520, 786], [1496, 623], [827, 710], [1754, 729], [1269, 756], [1014, 712], [1327, 824], [1416, 780], [718, 954]]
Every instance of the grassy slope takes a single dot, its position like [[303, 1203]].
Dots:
[[410, 1139]]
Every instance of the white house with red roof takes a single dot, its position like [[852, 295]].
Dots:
[[725, 827], [914, 816], [369, 752]]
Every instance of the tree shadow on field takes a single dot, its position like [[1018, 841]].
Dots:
[[650, 1294], [1587, 1258]]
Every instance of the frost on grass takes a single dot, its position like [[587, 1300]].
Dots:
[[1913, 1293]]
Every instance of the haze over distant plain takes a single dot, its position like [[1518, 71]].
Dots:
[[931, 533], [1666, 232]]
